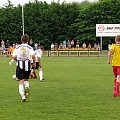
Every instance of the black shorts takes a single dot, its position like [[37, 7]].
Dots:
[[32, 66], [37, 65], [22, 74]]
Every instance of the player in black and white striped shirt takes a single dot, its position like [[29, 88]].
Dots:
[[23, 54]]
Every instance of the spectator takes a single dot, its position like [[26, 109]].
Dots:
[[52, 46], [56, 46], [3, 45], [89, 46], [4, 52], [7, 44], [72, 43], [84, 45], [69, 44], [98, 46], [61, 46], [95, 46], [77, 44], [64, 43], [0, 43]]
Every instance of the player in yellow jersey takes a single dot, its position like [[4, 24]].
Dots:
[[115, 51], [12, 50]]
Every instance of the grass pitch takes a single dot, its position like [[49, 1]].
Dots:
[[74, 89]]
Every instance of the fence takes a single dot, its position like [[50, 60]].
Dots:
[[70, 53]]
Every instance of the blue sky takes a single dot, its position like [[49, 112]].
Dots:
[[16, 2]]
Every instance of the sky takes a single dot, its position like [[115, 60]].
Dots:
[[22, 2]]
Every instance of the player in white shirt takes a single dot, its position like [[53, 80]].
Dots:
[[38, 55], [23, 54]]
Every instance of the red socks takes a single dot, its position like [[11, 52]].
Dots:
[[115, 81], [116, 88], [35, 76], [31, 76]]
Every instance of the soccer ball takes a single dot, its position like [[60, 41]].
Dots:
[[14, 77]]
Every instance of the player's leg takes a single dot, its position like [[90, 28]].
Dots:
[[26, 83], [11, 62], [31, 74], [41, 74], [118, 84], [116, 81], [20, 77], [115, 91], [21, 90], [40, 71], [34, 73]]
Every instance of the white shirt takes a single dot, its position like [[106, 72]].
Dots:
[[23, 52], [38, 54], [52, 46]]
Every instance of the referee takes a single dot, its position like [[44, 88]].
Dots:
[[23, 54]]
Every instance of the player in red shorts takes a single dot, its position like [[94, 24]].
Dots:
[[115, 51]]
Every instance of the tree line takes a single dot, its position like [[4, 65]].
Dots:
[[56, 22]]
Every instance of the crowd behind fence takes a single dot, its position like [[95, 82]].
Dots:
[[59, 51], [74, 45]]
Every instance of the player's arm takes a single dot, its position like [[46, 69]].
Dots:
[[109, 56], [110, 53], [14, 56], [32, 52], [34, 61]]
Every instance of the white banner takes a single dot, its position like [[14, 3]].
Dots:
[[107, 30]]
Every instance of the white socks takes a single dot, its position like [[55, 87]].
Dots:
[[21, 91], [41, 75], [26, 84]]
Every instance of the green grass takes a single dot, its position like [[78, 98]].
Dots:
[[74, 89]]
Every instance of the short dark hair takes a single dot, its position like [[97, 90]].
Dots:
[[25, 38]]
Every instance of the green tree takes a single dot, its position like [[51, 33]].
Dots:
[[55, 22], [102, 12], [8, 4]]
